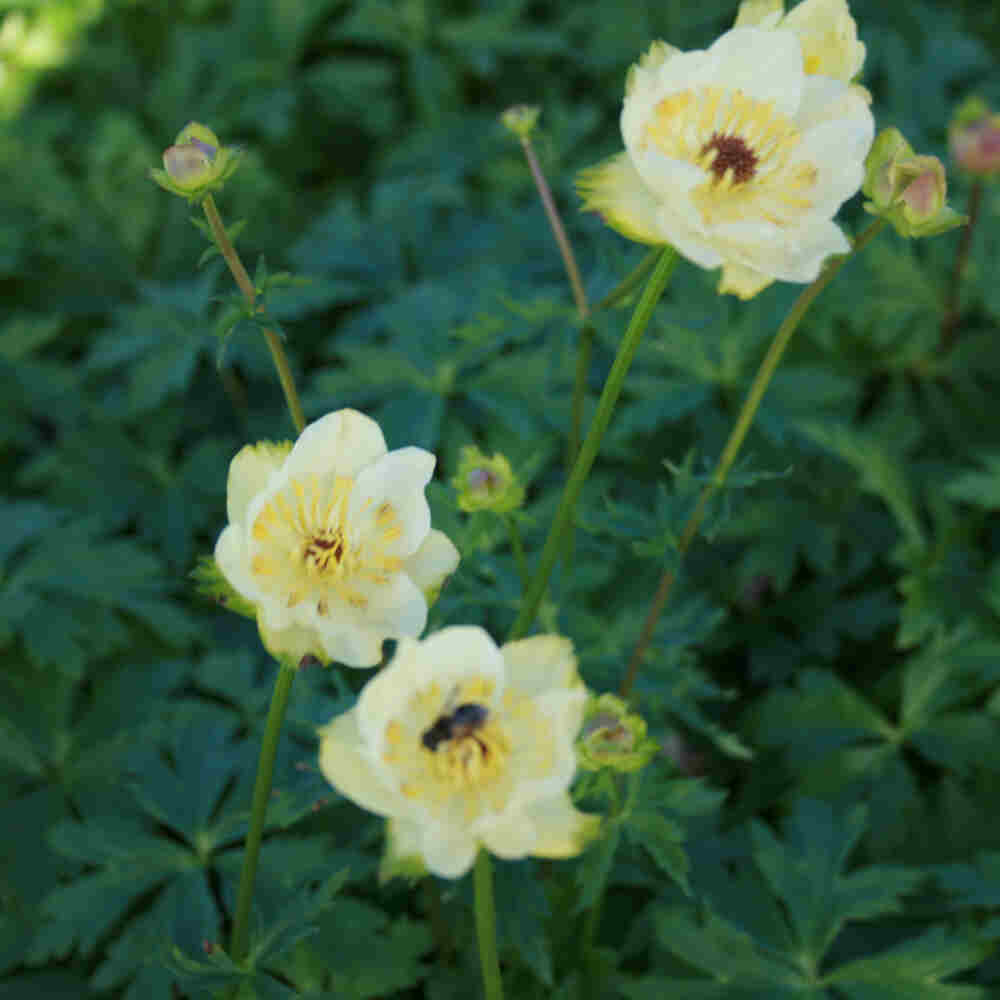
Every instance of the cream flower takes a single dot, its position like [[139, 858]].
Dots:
[[737, 156], [463, 745], [331, 540]]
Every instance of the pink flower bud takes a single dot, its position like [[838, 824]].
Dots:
[[976, 146]]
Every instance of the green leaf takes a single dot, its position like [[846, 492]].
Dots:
[[805, 871], [662, 838], [720, 950], [522, 913], [914, 969]]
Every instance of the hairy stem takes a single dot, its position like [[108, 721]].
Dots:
[[743, 421], [246, 286]]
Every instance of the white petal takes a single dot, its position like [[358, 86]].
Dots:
[[682, 71], [232, 559], [540, 663], [293, 642], [250, 473], [765, 65], [398, 479], [563, 831], [448, 852], [436, 558], [346, 763], [514, 837], [342, 443]]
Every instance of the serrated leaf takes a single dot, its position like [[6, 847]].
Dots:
[[663, 839], [805, 872], [914, 969]]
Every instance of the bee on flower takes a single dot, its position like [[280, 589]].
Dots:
[[461, 744], [739, 155], [331, 541]]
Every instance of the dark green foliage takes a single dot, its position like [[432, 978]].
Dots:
[[823, 823]]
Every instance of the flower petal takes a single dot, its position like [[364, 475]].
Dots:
[[616, 190], [540, 663], [232, 559], [345, 762], [737, 279], [249, 474], [436, 559], [764, 65], [563, 830], [398, 479], [340, 444], [447, 851]]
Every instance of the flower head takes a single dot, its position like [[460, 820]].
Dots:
[[197, 163], [486, 483], [739, 155], [974, 137], [463, 745], [331, 540], [614, 737]]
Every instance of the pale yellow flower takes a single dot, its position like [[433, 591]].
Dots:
[[736, 156], [331, 540], [461, 745]]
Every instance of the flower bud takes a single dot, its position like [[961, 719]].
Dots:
[[907, 189], [974, 138], [521, 119], [486, 483], [196, 164], [611, 736]]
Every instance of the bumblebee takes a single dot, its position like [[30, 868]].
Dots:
[[464, 721]]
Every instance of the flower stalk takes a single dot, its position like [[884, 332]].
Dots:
[[949, 325], [246, 286], [588, 452], [486, 926], [743, 422], [258, 810]]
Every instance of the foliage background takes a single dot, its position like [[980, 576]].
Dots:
[[841, 626]]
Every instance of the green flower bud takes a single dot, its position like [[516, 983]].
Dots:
[[880, 183], [521, 119], [486, 483], [907, 189], [974, 138], [611, 736], [196, 164]]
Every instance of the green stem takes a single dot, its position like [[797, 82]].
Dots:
[[258, 811], [949, 324], [584, 351], [588, 452], [630, 282], [743, 421], [246, 286], [518, 547], [486, 926]]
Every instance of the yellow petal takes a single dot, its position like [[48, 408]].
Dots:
[[249, 473], [742, 281], [759, 13], [615, 189]]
